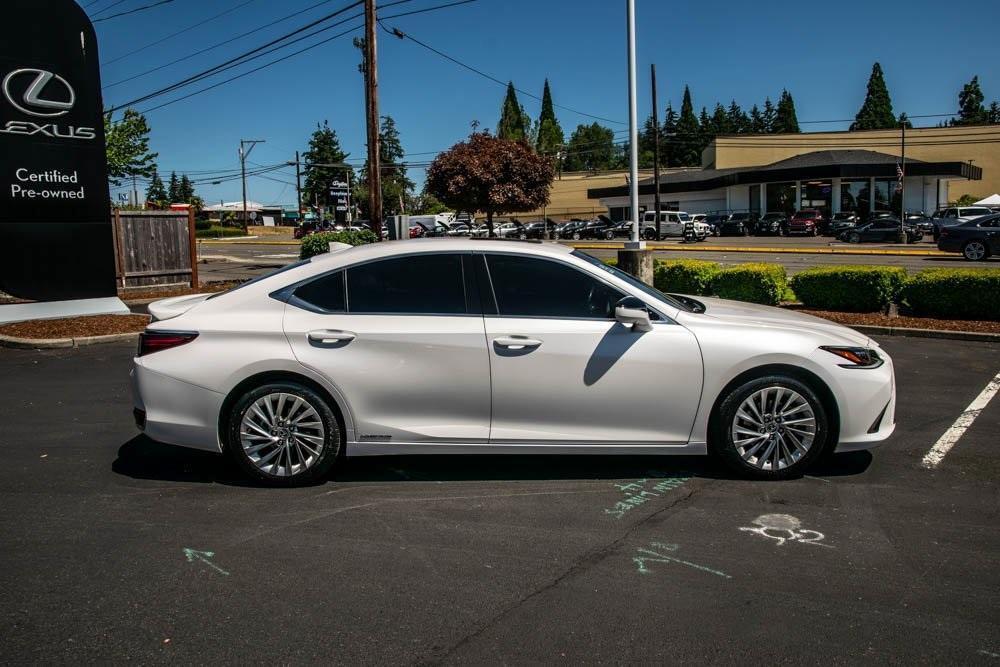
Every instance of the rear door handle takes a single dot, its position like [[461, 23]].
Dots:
[[516, 342], [331, 336]]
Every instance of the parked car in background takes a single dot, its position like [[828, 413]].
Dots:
[[976, 239], [731, 224], [598, 228], [842, 221], [772, 224], [672, 225], [460, 229], [698, 217], [883, 230], [807, 221], [921, 221], [536, 229], [572, 229], [310, 227], [955, 215]]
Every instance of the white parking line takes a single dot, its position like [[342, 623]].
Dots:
[[964, 421]]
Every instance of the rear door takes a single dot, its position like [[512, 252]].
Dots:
[[403, 341]]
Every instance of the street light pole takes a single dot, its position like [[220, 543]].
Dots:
[[902, 183], [656, 152], [244, 153], [633, 131]]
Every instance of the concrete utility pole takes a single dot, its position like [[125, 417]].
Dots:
[[244, 153], [371, 90], [298, 183], [656, 152]]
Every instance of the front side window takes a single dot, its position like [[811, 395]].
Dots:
[[535, 287], [413, 284]]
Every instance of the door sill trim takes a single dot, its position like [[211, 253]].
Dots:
[[368, 448]]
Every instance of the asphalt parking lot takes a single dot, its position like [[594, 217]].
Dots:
[[120, 549]]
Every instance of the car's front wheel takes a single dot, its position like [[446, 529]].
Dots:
[[975, 251], [772, 427], [283, 434], [854, 237]]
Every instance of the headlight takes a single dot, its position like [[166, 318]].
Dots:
[[858, 357]]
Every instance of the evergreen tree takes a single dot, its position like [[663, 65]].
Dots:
[[647, 142], [668, 137], [970, 105], [994, 113], [739, 122], [550, 137], [174, 190], [720, 121], [705, 132], [904, 120], [688, 140], [397, 188], [876, 112], [185, 191], [514, 121], [156, 194], [591, 148], [324, 148], [785, 120], [756, 121], [769, 116]]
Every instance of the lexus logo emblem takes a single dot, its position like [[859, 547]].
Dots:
[[33, 101]]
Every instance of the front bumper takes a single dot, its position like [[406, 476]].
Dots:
[[867, 402]]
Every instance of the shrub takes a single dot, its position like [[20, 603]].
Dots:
[[862, 289], [757, 283], [317, 244], [202, 225], [685, 276], [971, 294], [215, 232]]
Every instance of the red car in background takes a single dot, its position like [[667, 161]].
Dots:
[[807, 221]]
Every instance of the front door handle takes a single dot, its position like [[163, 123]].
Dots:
[[517, 342], [331, 336]]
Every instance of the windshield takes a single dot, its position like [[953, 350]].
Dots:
[[684, 217], [633, 281]]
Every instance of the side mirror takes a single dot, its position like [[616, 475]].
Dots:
[[630, 310]]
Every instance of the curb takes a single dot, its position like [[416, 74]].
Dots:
[[772, 249], [53, 343], [942, 334]]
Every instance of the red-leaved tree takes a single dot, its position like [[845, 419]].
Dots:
[[490, 175]]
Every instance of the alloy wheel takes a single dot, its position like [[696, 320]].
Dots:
[[774, 428], [974, 250], [282, 434]]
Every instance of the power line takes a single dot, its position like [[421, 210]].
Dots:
[[191, 27], [133, 11], [240, 58], [402, 35], [111, 6]]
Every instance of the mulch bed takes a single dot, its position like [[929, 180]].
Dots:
[[903, 321], [218, 286], [76, 327]]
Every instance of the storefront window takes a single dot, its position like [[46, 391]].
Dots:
[[855, 197], [817, 194], [888, 197], [755, 199], [780, 198]]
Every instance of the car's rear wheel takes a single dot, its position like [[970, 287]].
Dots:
[[854, 237], [975, 251], [649, 234], [772, 427], [283, 434], [609, 235], [576, 236]]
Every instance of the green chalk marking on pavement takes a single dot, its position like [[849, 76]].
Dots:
[[203, 556]]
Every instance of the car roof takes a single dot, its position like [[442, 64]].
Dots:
[[456, 244]]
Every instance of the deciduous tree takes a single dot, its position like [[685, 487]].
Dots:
[[591, 148], [491, 175], [127, 148]]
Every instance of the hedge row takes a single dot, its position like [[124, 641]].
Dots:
[[862, 289], [954, 293], [757, 283], [317, 244]]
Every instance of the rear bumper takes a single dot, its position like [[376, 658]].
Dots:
[[175, 412]]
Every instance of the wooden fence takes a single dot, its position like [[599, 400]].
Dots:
[[154, 248]]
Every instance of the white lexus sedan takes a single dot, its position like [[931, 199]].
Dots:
[[482, 346]]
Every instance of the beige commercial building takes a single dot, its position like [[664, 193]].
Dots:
[[830, 171]]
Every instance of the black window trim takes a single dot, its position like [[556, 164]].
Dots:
[[663, 318], [287, 293]]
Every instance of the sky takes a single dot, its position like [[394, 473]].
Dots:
[[821, 52]]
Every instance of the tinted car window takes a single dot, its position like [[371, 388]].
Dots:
[[532, 287], [326, 293], [412, 284]]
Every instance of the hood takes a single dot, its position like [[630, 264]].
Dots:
[[768, 316], [164, 309]]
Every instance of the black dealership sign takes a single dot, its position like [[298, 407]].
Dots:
[[55, 227]]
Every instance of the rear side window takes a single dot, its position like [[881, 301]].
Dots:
[[416, 284], [325, 294], [534, 287]]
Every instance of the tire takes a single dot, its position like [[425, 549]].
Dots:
[[317, 446], [747, 456], [649, 234], [854, 237], [522, 236], [609, 235], [814, 232], [975, 250], [576, 236]]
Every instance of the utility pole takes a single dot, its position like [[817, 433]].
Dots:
[[244, 153], [902, 182], [298, 183], [135, 193], [656, 152], [371, 96]]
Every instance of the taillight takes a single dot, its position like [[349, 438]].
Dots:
[[154, 341]]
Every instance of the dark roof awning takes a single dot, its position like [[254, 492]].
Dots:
[[809, 166]]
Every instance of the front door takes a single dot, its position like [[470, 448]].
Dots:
[[402, 341], [565, 372]]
